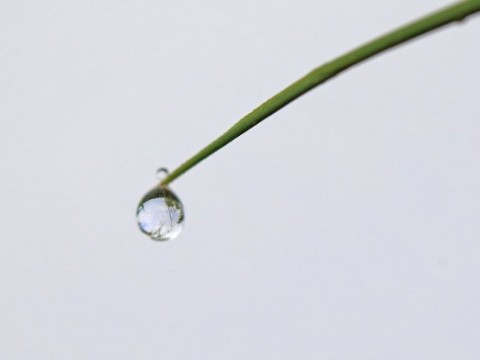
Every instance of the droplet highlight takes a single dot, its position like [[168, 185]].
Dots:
[[160, 214]]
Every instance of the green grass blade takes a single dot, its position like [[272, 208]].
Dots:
[[453, 13]]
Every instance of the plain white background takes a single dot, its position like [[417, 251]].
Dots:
[[346, 226]]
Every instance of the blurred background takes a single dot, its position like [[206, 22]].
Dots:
[[346, 226]]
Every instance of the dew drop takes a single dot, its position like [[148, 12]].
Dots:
[[161, 173], [160, 214]]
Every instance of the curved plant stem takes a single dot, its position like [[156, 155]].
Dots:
[[456, 12]]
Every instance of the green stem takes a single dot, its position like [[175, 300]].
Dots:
[[456, 12]]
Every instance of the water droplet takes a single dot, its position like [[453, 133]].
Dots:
[[160, 214], [161, 173]]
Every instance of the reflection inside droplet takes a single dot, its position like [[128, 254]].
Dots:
[[160, 214]]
